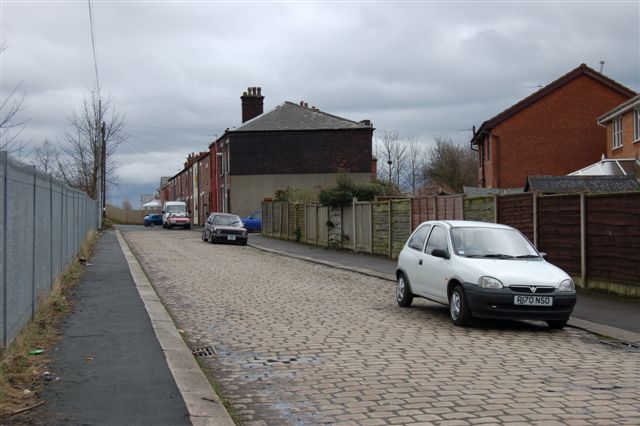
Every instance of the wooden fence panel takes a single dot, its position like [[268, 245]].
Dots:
[[517, 210], [613, 237], [267, 218], [400, 225], [311, 224], [559, 231], [449, 207], [301, 220], [480, 209], [381, 227], [346, 222], [363, 227], [322, 229], [291, 221], [131, 217]]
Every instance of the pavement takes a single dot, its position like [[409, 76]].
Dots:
[[123, 361], [602, 314]]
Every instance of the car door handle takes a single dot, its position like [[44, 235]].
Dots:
[[420, 262]]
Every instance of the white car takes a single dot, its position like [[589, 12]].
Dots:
[[484, 270]]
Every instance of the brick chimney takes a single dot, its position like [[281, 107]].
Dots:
[[252, 103]]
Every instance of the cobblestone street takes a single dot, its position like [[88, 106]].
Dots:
[[300, 343]]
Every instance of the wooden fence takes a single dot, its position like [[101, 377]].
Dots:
[[594, 237], [130, 217], [379, 227]]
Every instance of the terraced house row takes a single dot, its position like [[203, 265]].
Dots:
[[292, 146]]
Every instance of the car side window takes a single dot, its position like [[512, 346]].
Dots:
[[437, 240], [417, 241]]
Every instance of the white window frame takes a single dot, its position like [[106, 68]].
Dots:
[[616, 128], [636, 125]]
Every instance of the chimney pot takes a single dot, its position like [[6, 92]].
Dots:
[[252, 103]]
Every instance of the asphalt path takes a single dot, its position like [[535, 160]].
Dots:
[[109, 368]]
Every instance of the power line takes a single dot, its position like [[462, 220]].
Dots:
[[93, 47]]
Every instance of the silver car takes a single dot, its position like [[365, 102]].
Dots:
[[484, 270]]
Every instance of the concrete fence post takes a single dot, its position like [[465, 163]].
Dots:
[[390, 240], [535, 219], [495, 208], [583, 240], [354, 203], [33, 245]]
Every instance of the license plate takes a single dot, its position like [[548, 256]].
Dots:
[[231, 237], [533, 300]]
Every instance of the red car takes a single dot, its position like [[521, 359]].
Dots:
[[178, 219]]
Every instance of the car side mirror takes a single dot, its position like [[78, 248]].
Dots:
[[162, 211], [543, 254], [440, 253]]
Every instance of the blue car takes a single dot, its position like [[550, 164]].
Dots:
[[153, 219], [253, 222]]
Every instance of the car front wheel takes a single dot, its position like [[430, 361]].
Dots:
[[404, 297], [458, 308]]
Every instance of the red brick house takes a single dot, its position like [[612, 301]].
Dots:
[[551, 132]]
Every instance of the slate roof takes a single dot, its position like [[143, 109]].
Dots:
[[583, 69], [291, 116], [574, 184], [472, 191]]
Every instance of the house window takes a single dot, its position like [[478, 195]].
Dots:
[[617, 133], [636, 125]]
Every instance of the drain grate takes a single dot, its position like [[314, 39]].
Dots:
[[205, 351]]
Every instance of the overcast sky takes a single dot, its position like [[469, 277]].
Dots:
[[176, 70]]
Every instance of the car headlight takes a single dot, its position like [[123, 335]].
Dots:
[[567, 285], [489, 282]]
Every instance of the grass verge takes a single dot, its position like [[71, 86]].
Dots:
[[21, 374]]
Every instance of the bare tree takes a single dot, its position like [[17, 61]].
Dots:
[[415, 160], [451, 166], [126, 204], [46, 158], [393, 152], [10, 124], [95, 122]]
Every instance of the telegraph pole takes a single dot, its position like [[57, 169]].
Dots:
[[103, 156]]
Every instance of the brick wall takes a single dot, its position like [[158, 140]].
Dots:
[[329, 151]]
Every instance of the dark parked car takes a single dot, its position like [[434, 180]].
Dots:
[[224, 227], [253, 222], [152, 219]]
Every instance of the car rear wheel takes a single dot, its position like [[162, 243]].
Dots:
[[557, 325], [404, 297], [458, 308]]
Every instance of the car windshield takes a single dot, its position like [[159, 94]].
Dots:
[[176, 209], [227, 220], [492, 243]]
